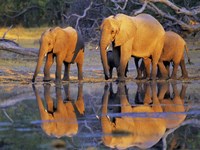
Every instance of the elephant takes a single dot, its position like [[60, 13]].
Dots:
[[173, 104], [126, 131], [61, 120], [173, 51], [112, 64], [67, 46], [140, 36]]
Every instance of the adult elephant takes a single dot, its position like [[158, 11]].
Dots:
[[68, 47], [141, 36]]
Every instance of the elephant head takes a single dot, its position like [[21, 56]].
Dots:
[[131, 130], [47, 42], [117, 29], [60, 120]]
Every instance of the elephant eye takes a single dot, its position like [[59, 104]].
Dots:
[[49, 43], [112, 32]]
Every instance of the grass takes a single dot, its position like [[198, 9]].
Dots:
[[26, 37]]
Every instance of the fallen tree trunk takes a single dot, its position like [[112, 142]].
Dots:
[[11, 46]]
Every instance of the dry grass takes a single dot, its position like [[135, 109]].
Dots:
[[27, 37]]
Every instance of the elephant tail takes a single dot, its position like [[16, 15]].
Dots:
[[186, 49], [79, 46]]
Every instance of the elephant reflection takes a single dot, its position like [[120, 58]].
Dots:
[[142, 132], [60, 119], [173, 104]]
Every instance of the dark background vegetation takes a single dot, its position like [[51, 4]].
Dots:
[[87, 15]]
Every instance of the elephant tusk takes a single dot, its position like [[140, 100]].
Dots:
[[108, 117], [45, 55], [97, 116], [107, 47]]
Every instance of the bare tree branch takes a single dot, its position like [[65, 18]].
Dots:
[[176, 8], [118, 6], [80, 16], [11, 46], [142, 8], [4, 35], [184, 26]]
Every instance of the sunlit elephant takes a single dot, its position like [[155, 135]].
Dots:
[[125, 130], [64, 44], [59, 119], [173, 105], [141, 36], [112, 64], [173, 51]]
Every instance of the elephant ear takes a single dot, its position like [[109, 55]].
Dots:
[[59, 37], [127, 29]]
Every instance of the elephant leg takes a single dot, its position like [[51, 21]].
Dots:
[[116, 56], [80, 71], [125, 54], [146, 68], [48, 64], [110, 71], [66, 72], [163, 70], [174, 72], [58, 69], [167, 66], [183, 69], [126, 70], [139, 72]]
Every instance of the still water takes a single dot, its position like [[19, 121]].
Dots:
[[146, 115]]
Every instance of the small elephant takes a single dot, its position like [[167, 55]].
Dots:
[[67, 46], [112, 64], [173, 51]]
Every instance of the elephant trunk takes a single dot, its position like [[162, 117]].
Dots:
[[39, 64], [104, 42]]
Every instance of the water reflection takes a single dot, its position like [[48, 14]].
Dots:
[[60, 117], [157, 108]]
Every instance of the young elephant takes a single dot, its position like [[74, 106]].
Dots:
[[173, 51], [68, 47], [112, 64]]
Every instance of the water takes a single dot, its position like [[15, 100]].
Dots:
[[149, 115]]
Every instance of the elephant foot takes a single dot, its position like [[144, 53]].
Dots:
[[184, 77], [139, 78], [65, 79], [58, 81], [33, 80], [120, 79], [107, 77], [173, 78], [46, 79]]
